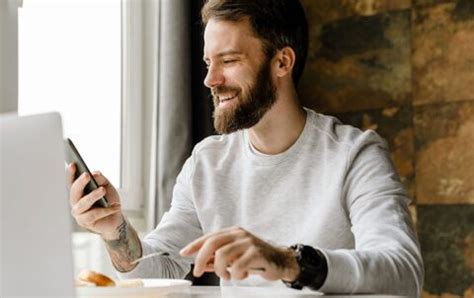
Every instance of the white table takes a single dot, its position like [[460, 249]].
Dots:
[[234, 292]]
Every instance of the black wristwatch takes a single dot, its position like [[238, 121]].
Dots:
[[313, 268]]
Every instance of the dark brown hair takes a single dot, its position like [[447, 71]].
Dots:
[[278, 23]]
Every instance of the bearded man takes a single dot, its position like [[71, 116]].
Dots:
[[284, 193]]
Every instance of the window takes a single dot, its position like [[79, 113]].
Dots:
[[83, 58], [70, 61], [74, 58]]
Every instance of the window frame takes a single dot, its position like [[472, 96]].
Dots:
[[131, 190]]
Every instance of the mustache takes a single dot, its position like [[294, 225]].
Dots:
[[222, 89]]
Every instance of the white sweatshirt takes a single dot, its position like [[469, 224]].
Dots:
[[335, 189]]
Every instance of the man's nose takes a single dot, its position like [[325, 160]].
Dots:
[[214, 77]]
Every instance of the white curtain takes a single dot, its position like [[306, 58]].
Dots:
[[9, 55], [171, 121]]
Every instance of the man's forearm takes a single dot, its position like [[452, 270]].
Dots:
[[125, 248]]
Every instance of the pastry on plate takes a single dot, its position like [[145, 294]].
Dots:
[[96, 278]]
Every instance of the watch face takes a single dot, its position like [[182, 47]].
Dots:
[[313, 267], [311, 258]]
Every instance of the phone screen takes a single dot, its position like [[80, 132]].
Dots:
[[73, 156]]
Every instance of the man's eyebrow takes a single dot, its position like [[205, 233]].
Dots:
[[225, 53]]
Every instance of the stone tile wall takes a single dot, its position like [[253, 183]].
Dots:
[[405, 68]]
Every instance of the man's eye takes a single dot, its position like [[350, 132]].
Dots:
[[229, 61]]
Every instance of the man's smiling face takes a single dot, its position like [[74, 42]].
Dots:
[[239, 75]]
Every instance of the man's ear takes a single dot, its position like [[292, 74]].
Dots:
[[285, 61]]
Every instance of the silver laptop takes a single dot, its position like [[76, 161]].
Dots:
[[35, 240]]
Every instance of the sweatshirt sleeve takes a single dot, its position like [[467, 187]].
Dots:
[[386, 258], [178, 227]]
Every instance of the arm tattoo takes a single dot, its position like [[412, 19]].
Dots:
[[125, 249]]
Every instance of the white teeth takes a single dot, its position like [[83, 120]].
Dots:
[[227, 98]]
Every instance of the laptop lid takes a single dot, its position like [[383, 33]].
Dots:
[[35, 240]]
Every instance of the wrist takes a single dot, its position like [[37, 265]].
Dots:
[[110, 236], [115, 233], [292, 268], [125, 248]]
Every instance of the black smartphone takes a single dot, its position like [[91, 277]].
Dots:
[[73, 156]]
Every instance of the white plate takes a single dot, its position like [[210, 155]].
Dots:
[[151, 288]]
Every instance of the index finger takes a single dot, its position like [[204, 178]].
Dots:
[[208, 249], [71, 170], [195, 245], [100, 179], [77, 188]]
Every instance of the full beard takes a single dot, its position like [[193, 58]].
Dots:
[[250, 109]]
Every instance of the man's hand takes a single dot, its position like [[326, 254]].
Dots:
[[235, 253], [121, 239], [103, 221]]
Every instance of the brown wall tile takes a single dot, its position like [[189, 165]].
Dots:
[[443, 53], [468, 293], [359, 63], [446, 236], [413, 214], [420, 3], [324, 11], [369, 67], [444, 155]]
